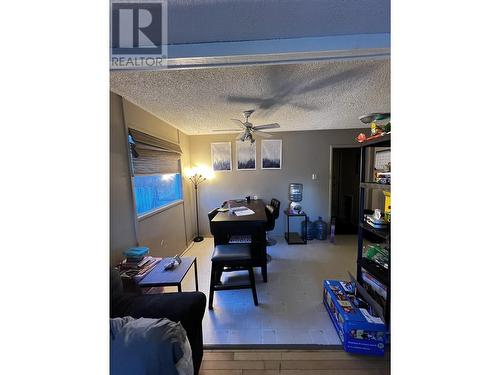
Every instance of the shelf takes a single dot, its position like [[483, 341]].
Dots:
[[366, 231], [379, 272], [383, 141], [374, 185], [293, 238], [367, 242], [382, 233], [288, 213]]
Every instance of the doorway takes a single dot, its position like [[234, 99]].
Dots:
[[345, 189]]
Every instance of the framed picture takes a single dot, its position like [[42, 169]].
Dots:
[[246, 156], [221, 156], [271, 154]]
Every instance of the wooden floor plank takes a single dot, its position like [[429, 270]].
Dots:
[[261, 372], [323, 355], [330, 372], [272, 365], [251, 355], [218, 356], [232, 365], [332, 365], [220, 372]]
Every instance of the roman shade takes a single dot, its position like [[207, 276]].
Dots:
[[152, 155]]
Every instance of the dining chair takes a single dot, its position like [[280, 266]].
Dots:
[[229, 258], [275, 205]]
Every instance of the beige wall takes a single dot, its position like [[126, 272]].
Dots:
[[122, 219], [304, 153], [167, 232], [138, 118]]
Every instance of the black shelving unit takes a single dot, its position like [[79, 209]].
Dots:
[[383, 234], [294, 238], [367, 232], [377, 270]]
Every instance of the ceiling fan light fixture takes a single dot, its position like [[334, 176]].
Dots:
[[249, 130], [248, 113]]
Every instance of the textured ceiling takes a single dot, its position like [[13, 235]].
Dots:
[[312, 96], [195, 21]]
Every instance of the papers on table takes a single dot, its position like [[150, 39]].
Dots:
[[242, 211], [239, 208]]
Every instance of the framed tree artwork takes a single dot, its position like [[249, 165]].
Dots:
[[271, 154], [246, 156], [221, 156]]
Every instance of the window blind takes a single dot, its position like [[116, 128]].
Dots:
[[152, 155]]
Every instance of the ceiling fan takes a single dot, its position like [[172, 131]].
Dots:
[[249, 130], [377, 116]]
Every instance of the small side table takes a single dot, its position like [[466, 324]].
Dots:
[[293, 238], [159, 276]]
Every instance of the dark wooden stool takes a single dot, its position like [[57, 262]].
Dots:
[[228, 258]]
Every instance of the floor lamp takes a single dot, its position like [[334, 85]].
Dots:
[[197, 177]]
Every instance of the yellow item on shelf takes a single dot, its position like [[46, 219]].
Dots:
[[387, 206]]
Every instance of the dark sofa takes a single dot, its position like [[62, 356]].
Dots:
[[186, 307]]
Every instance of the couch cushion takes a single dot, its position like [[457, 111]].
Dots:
[[232, 252], [149, 346], [185, 307]]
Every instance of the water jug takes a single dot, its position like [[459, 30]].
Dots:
[[295, 192], [320, 228], [310, 229]]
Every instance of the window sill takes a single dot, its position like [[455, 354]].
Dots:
[[159, 209]]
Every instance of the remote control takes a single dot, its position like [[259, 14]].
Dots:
[[170, 265]]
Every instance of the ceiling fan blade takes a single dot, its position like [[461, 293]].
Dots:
[[239, 123], [305, 107], [226, 130], [242, 99], [262, 134], [267, 126]]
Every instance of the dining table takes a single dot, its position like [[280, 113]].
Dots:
[[227, 223]]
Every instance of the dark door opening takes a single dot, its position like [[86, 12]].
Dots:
[[345, 189]]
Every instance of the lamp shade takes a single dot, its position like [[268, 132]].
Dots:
[[202, 171]]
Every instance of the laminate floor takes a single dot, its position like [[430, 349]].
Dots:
[[291, 362], [290, 307]]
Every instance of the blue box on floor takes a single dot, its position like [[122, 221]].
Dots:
[[359, 331]]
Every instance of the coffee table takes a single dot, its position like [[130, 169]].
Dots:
[[159, 276]]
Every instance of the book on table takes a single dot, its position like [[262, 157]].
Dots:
[[135, 263], [147, 268], [137, 271]]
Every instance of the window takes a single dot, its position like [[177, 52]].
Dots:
[[152, 192], [156, 171]]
